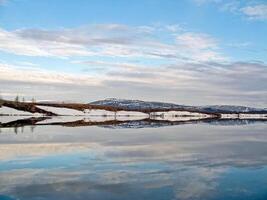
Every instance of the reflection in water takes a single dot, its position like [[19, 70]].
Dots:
[[114, 123], [131, 160]]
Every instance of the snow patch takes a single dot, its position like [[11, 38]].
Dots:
[[13, 112], [87, 112], [62, 111]]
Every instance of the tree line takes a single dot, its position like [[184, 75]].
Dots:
[[17, 99]]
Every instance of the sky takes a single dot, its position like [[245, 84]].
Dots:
[[195, 52]]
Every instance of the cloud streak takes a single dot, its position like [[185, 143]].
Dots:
[[109, 40], [35, 75], [251, 9], [256, 12], [113, 59], [231, 83]]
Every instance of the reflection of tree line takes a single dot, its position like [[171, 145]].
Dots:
[[32, 122], [18, 125], [21, 129]]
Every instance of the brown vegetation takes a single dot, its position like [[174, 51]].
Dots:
[[26, 107]]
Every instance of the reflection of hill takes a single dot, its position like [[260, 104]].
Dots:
[[22, 122], [114, 123]]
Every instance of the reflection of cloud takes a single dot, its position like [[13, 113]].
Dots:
[[13, 151], [189, 163], [189, 184], [116, 181], [215, 146], [199, 183], [226, 154]]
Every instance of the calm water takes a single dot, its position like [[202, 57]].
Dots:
[[190, 161]]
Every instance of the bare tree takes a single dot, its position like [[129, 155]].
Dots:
[[17, 99], [33, 100], [1, 100]]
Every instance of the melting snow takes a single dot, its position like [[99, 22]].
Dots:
[[11, 111]]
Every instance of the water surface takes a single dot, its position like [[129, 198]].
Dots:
[[208, 160]]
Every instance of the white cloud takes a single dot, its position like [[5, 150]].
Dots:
[[175, 28], [232, 6], [200, 46], [188, 63], [107, 40], [11, 42], [240, 44], [196, 41], [256, 12], [232, 83], [35, 75], [250, 9]]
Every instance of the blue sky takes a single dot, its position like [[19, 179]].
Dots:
[[189, 51]]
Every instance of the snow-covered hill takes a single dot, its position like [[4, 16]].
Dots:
[[137, 104], [126, 108]]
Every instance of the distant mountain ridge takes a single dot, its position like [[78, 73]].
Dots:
[[138, 104]]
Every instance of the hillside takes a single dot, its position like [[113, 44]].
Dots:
[[124, 107], [144, 105]]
